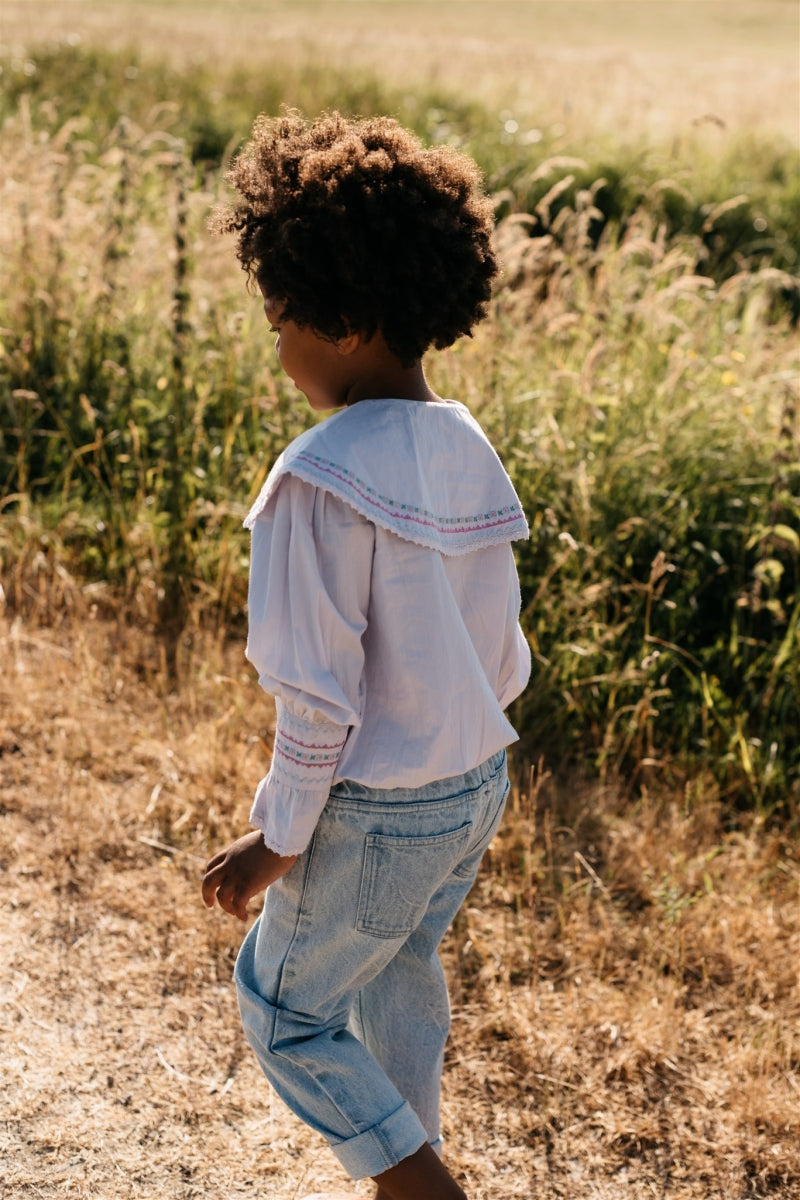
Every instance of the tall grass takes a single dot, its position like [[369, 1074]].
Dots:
[[649, 420], [637, 373], [210, 108]]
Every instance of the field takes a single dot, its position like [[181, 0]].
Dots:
[[625, 976]]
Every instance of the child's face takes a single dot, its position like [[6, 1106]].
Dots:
[[315, 365]]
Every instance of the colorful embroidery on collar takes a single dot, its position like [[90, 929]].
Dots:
[[409, 512]]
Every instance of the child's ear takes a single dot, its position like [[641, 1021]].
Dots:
[[349, 343]]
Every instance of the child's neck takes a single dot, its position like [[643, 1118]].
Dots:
[[377, 374]]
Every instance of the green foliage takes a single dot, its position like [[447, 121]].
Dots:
[[758, 226], [740, 222], [662, 599], [208, 108], [652, 435], [637, 373]]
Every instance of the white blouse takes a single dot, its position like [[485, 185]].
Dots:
[[383, 607]]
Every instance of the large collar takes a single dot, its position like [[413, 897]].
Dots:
[[425, 471]]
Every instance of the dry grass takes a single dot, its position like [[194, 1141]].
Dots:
[[627, 67], [626, 991], [625, 981]]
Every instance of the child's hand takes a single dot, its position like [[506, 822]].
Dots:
[[237, 874]]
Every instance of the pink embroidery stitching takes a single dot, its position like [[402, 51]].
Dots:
[[464, 525]]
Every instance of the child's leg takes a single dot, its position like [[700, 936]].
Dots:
[[330, 928], [295, 996], [386, 1014], [386, 1019], [420, 1177]]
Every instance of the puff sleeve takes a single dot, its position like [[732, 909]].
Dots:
[[310, 571]]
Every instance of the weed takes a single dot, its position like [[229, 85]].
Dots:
[[636, 373]]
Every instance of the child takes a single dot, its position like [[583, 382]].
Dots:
[[383, 608]]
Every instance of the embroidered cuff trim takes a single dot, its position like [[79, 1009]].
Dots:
[[305, 753]]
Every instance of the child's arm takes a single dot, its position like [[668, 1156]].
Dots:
[[310, 574], [237, 874], [308, 598]]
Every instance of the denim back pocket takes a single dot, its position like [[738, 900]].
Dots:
[[399, 876]]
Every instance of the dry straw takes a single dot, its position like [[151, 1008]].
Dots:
[[625, 985]]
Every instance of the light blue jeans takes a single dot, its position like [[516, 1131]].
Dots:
[[341, 990]]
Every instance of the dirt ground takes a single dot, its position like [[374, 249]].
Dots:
[[630, 1031]]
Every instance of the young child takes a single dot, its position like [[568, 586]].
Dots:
[[383, 609]]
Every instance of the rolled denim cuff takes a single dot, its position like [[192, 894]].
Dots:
[[385, 1145]]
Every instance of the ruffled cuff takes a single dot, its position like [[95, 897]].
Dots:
[[287, 817], [289, 800]]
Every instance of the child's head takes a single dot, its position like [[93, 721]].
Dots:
[[354, 225]]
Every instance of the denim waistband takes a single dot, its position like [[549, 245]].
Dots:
[[436, 790]]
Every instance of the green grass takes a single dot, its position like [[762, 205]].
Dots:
[[649, 420], [637, 373], [208, 110]]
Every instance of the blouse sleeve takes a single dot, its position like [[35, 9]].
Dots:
[[515, 663], [311, 563]]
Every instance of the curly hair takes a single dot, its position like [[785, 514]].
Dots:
[[353, 225]]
